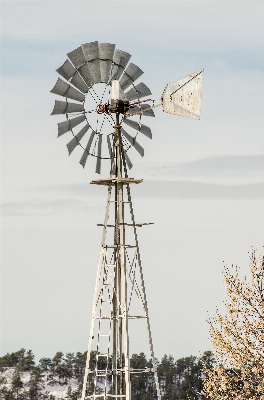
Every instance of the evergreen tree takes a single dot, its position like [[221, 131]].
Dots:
[[25, 360], [7, 394], [141, 383], [167, 376], [179, 380], [54, 367], [16, 383], [191, 385], [11, 360], [45, 365], [60, 371], [36, 384], [73, 394], [79, 365], [57, 359], [69, 392]]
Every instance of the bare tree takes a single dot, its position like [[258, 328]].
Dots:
[[238, 338]]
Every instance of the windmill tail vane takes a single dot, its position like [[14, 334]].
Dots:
[[100, 98]]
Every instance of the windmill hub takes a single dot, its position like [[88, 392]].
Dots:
[[119, 102]]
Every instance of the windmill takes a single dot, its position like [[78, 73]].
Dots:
[[105, 106]]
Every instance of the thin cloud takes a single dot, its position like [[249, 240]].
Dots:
[[172, 189], [200, 190], [251, 166], [40, 207], [154, 189]]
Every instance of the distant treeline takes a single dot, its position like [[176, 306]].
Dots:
[[22, 379]]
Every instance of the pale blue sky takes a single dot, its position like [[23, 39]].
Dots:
[[204, 185]]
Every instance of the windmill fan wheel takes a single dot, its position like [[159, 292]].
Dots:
[[92, 75]]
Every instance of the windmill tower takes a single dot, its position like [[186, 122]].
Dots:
[[99, 80]]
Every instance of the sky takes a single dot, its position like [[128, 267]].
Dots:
[[203, 180]]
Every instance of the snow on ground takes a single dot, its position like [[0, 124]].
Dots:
[[57, 390]]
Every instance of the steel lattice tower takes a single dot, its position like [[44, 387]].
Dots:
[[120, 296]]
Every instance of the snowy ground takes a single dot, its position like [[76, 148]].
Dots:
[[57, 390]]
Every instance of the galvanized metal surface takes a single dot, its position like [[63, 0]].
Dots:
[[76, 139], [85, 73], [106, 51], [64, 89], [105, 68], [121, 59], [138, 91], [144, 109], [66, 126], [117, 92], [94, 67], [91, 50], [87, 150], [114, 181], [109, 145], [112, 289], [77, 57], [139, 127], [128, 161], [134, 142], [99, 154], [62, 107], [130, 75], [67, 70], [106, 54], [89, 64], [79, 83], [184, 97]]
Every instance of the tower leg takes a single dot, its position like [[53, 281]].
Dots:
[[96, 294]]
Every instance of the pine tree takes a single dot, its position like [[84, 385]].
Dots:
[[36, 384], [238, 338], [167, 375], [7, 394], [73, 394], [139, 382], [45, 364], [13, 359], [79, 365], [16, 383], [53, 377], [28, 362]]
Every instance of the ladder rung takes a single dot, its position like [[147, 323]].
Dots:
[[107, 395], [115, 201], [115, 246], [107, 334], [127, 224]]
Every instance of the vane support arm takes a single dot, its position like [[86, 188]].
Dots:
[[142, 111]]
